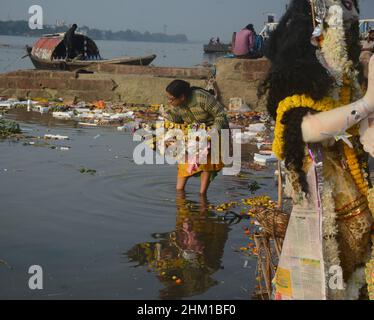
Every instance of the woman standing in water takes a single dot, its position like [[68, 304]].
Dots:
[[192, 105]]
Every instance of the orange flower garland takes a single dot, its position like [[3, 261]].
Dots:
[[356, 169], [325, 104], [295, 101]]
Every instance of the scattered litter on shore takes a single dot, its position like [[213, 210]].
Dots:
[[256, 128]]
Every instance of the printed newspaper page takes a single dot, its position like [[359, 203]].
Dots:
[[300, 274]]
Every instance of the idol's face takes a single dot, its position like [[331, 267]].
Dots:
[[350, 13]]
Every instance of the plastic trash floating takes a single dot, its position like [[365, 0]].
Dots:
[[265, 158], [55, 137]]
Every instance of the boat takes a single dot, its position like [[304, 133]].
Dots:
[[217, 48], [365, 26], [49, 53], [268, 28]]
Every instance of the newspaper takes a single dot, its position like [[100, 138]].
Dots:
[[300, 274]]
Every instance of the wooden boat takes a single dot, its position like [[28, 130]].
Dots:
[[49, 53], [217, 48]]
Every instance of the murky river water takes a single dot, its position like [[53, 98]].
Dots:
[[168, 54], [96, 235]]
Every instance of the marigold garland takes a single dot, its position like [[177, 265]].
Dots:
[[356, 170], [326, 104], [296, 101]]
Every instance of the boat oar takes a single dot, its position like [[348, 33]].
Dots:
[[28, 49]]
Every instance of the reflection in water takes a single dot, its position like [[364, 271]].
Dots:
[[186, 258]]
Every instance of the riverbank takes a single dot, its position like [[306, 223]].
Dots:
[[235, 78]]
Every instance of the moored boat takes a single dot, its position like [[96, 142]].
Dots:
[[217, 47], [49, 53]]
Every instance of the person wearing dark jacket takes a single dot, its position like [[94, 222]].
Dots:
[[69, 41]]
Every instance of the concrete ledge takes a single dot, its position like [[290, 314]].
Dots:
[[136, 84], [166, 72]]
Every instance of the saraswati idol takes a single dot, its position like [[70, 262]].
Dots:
[[325, 136]]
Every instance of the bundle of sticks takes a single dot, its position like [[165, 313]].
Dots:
[[269, 241]]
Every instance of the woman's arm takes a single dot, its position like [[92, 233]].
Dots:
[[324, 125], [217, 110], [171, 114]]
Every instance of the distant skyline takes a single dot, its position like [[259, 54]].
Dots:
[[198, 19]]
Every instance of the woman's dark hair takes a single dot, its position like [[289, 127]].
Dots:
[[295, 69], [250, 27], [177, 88]]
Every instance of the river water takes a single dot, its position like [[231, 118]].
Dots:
[[168, 54], [96, 236]]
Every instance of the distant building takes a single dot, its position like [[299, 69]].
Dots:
[[60, 23]]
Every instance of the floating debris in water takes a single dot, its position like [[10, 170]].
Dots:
[[87, 171], [3, 262], [8, 128], [55, 137], [253, 187], [265, 159]]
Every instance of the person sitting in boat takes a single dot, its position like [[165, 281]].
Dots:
[[193, 105], [244, 42], [69, 41], [218, 41], [211, 41]]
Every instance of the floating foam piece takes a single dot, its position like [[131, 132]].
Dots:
[[264, 144], [6, 104], [264, 159], [56, 137], [256, 127], [87, 124], [245, 137], [63, 115], [40, 109], [82, 110]]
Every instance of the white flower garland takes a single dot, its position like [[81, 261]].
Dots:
[[330, 231], [334, 53], [334, 56]]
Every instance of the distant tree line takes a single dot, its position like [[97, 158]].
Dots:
[[21, 28]]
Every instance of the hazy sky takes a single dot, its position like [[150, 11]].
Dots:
[[198, 19]]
